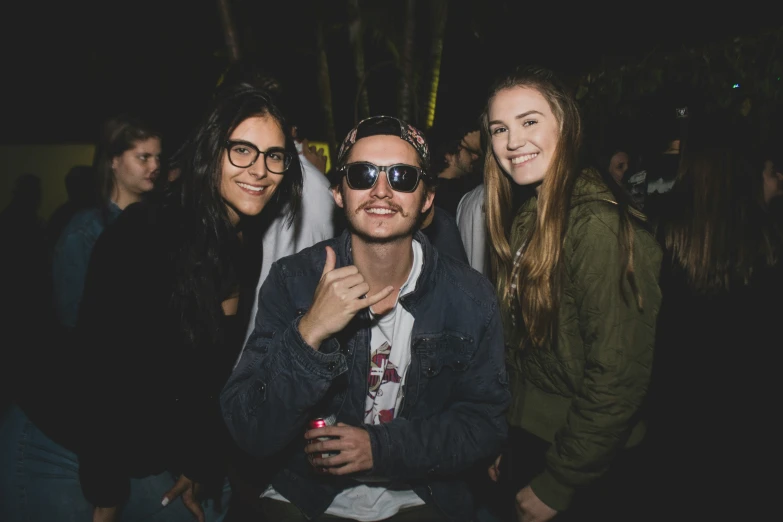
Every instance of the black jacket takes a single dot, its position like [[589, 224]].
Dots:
[[147, 396]]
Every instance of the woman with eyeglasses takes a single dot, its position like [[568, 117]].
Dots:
[[577, 278], [165, 307], [175, 283]]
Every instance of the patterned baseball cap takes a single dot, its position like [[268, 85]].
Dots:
[[386, 126]]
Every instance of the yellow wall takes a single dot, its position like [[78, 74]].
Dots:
[[49, 162], [323, 145]]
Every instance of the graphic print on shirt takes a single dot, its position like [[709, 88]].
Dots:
[[383, 380]]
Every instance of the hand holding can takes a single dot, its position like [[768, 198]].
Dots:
[[338, 449], [322, 423]]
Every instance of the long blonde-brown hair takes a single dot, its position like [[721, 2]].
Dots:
[[716, 229], [532, 282]]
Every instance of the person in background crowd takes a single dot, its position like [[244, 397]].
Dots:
[[714, 383], [127, 161]]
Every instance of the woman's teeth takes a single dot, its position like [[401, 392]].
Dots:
[[523, 159]]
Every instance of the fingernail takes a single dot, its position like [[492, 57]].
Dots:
[[164, 502]]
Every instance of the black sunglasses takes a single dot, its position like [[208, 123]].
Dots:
[[363, 175]]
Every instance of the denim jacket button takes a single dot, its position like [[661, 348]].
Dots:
[[429, 371], [331, 366]]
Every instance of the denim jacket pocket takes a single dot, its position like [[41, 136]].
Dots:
[[438, 362], [444, 363], [447, 350]]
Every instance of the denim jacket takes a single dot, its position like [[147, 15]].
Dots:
[[455, 395], [71, 258]]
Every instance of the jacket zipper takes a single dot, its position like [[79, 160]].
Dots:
[[635, 213]]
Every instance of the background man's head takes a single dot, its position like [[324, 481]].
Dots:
[[81, 184], [455, 151]]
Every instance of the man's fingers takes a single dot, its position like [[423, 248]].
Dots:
[[347, 282], [328, 431], [377, 298], [327, 446], [330, 462], [357, 291], [341, 273], [351, 467], [331, 260]]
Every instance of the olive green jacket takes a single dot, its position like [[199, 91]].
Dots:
[[584, 394]]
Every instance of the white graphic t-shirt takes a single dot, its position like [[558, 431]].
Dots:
[[390, 357]]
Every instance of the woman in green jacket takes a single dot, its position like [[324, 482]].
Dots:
[[577, 277]]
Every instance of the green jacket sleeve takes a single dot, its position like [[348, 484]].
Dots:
[[618, 341]]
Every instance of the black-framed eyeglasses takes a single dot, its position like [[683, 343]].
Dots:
[[243, 154], [363, 175]]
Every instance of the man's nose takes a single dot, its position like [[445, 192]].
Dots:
[[382, 188]]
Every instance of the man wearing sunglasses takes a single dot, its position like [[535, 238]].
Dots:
[[398, 348]]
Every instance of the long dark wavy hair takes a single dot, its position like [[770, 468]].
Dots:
[[209, 248]]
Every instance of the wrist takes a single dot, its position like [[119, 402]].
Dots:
[[309, 333]]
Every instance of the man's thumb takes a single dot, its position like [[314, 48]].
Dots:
[[331, 259]]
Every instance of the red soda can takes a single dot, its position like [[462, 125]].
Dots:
[[322, 423]]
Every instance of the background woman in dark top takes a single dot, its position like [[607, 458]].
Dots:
[[715, 379], [165, 306]]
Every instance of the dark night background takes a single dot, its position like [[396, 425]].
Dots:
[[70, 65]]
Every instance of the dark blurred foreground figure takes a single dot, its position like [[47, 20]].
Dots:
[[24, 282], [162, 318], [19, 220], [81, 185], [715, 380]]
